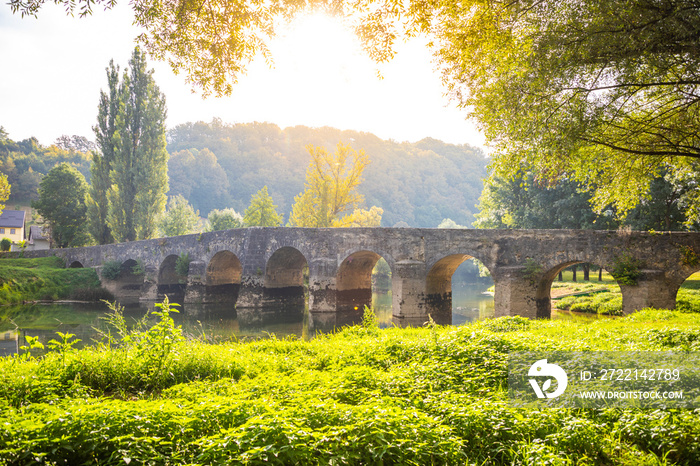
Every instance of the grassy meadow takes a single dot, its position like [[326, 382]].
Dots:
[[431, 395], [604, 297], [46, 279]]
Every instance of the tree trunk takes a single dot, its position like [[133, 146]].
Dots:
[[586, 272], [561, 276], [600, 274], [573, 269]]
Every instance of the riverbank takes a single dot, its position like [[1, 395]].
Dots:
[[47, 279], [433, 395], [589, 297]]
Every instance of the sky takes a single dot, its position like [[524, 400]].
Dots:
[[53, 69]]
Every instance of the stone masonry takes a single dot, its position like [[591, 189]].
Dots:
[[255, 267]]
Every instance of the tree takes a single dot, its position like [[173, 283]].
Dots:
[[225, 219], [179, 218], [61, 204], [666, 207], [523, 202], [75, 143], [367, 218], [330, 188], [603, 91], [449, 223], [4, 189], [130, 175], [262, 212], [101, 168], [197, 175]]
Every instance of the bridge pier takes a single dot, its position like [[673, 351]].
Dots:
[[149, 289], [323, 295], [517, 294], [251, 291], [195, 290], [652, 290], [410, 299]]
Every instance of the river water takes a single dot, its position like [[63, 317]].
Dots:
[[214, 322]]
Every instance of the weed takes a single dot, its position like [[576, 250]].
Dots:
[[688, 256], [64, 346], [626, 270], [532, 269]]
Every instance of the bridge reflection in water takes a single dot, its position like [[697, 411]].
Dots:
[[216, 321]]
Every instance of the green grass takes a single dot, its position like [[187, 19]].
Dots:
[[46, 279], [434, 395], [610, 301]]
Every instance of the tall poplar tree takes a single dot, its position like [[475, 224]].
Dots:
[[131, 136], [97, 202]]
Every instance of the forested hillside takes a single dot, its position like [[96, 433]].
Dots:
[[215, 165], [26, 162]]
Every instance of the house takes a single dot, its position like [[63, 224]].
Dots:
[[12, 225], [37, 238]]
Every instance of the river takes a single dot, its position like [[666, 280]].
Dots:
[[215, 322]]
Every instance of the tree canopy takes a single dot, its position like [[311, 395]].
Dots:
[[418, 183], [224, 219], [602, 91], [61, 204], [330, 191], [4, 191], [179, 218], [130, 172], [262, 212]]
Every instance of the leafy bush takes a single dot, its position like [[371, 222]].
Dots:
[[606, 303], [111, 270], [688, 256], [5, 244], [532, 269], [626, 270], [506, 324], [139, 269]]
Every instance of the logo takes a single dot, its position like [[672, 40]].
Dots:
[[542, 369]]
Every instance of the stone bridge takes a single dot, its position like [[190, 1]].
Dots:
[[256, 267]]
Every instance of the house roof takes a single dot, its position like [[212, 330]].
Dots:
[[36, 233], [12, 219]]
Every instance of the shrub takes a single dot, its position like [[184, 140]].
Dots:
[[626, 270], [138, 269], [5, 244], [111, 270]]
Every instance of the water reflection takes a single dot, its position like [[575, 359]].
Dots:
[[220, 321]]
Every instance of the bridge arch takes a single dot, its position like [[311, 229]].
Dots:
[[688, 299], [170, 282], [543, 294], [75, 265], [354, 279], [223, 277], [285, 276], [438, 284]]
